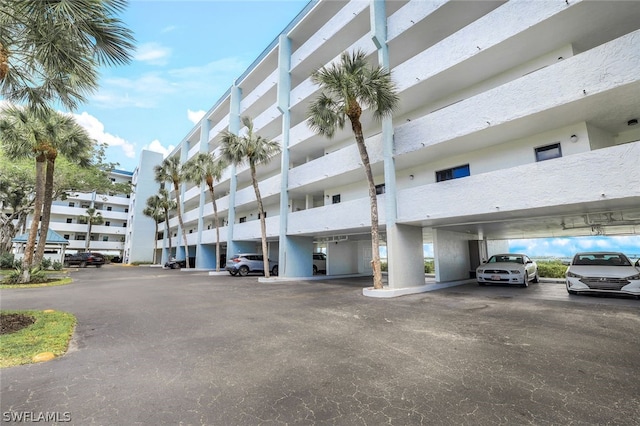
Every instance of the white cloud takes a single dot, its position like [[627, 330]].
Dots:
[[153, 53], [147, 91], [156, 146], [195, 116], [96, 130]]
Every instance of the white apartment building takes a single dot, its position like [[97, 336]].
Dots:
[[517, 119], [67, 219]]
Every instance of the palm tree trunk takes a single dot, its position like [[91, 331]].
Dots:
[[168, 229], [375, 236], [46, 209], [184, 233], [263, 223], [88, 243], [217, 223], [155, 239], [27, 261]]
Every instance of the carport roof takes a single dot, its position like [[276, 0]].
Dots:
[[52, 238]]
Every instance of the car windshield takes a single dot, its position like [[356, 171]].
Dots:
[[506, 258], [607, 259]]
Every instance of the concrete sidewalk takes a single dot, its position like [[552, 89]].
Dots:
[[158, 347]]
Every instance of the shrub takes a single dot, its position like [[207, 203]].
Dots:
[[57, 266], [45, 263], [428, 267], [554, 269], [6, 260], [37, 276]]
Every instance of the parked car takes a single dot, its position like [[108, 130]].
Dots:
[[603, 272], [89, 258], [175, 263], [508, 268], [249, 262], [319, 263]]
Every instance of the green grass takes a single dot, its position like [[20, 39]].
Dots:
[[61, 281], [51, 332]]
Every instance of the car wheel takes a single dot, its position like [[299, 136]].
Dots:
[[526, 281], [83, 264], [315, 270], [243, 271], [274, 271], [233, 273], [536, 278]]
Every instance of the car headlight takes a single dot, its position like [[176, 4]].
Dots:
[[634, 277], [572, 275]]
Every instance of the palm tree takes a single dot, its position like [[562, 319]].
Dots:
[[92, 217], [203, 167], [51, 50], [170, 170], [155, 211], [346, 88], [256, 150]]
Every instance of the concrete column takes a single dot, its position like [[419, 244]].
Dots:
[[451, 255], [203, 257], [286, 246], [234, 127], [405, 256]]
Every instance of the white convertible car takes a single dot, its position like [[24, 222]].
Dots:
[[603, 272], [508, 268]]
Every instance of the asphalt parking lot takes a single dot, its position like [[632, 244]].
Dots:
[[156, 347]]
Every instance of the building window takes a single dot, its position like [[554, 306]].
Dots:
[[107, 223], [81, 237], [335, 199], [72, 204], [453, 173], [243, 219], [65, 236], [126, 210], [84, 206], [105, 238], [380, 189], [109, 208], [69, 220], [548, 152], [124, 225]]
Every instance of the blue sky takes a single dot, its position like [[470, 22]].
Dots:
[[188, 54]]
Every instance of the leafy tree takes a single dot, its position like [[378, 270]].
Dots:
[[17, 182], [25, 132], [50, 50], [155, 210], [92, 217], [255, 150], [170, 170], [202, 167], [346, 88]]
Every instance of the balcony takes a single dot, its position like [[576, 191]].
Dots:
[[599, 180], [251, 230], [341, 218]]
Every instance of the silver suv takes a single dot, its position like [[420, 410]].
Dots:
[[249, 262]]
